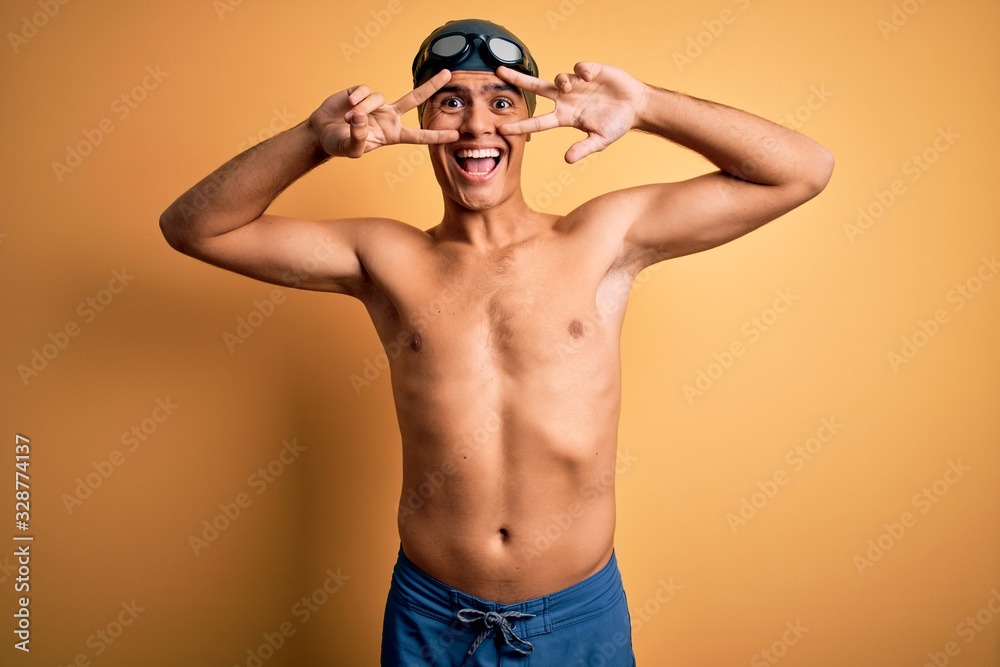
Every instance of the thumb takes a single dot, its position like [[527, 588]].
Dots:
[[359, 135], [581, 149]]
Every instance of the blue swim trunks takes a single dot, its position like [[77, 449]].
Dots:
[[430, 623]]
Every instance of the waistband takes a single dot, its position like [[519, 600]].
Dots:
[[591, 597]]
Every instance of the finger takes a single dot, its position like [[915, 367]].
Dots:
[[359, 136], [563, 83], [536, 124], [587, 70], [413, 136], [415, 97], [357, 93], [526, 82], [366, 106], [581, 149]]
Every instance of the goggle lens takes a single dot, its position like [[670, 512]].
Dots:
[[448, 46], [502, 49], [505, 50]]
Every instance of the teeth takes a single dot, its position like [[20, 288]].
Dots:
[[477, 152]]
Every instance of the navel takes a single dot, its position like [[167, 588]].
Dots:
[[575, 329]]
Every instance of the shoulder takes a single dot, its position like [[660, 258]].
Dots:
[[384, 244], [376, 227], [616, 210], [383, 233], [606, 221]]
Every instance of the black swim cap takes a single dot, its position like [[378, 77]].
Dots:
[[472, 45]]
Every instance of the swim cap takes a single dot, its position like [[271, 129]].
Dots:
[[472, 45]]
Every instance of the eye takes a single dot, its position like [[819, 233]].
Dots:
[[503, 103], [452, 103]]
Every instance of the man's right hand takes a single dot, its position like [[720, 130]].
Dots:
[[354, 121], [221, 219]]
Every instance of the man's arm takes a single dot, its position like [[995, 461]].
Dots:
[[766, 170], [221, 219]]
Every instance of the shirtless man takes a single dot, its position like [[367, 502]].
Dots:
[[509, 387]]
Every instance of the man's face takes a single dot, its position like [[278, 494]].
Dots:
[[476, 104]]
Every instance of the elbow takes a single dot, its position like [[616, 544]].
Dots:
[[172, 230], [816, 178]]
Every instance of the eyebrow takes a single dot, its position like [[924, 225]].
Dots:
[[490, 87]]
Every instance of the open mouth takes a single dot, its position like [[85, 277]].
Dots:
[[477, 163]]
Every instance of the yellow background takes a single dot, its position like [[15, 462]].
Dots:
[[231, 73]]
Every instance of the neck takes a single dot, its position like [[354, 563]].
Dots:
[[508, 222]]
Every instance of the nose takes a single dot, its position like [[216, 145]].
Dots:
[[477, 120]]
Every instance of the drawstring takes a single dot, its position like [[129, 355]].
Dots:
[[492, 620]]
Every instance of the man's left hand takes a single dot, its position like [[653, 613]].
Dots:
[[603, 101]]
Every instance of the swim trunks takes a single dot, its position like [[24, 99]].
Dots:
[[429, 623]]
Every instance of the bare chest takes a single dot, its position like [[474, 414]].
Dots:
[[527, 305]]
